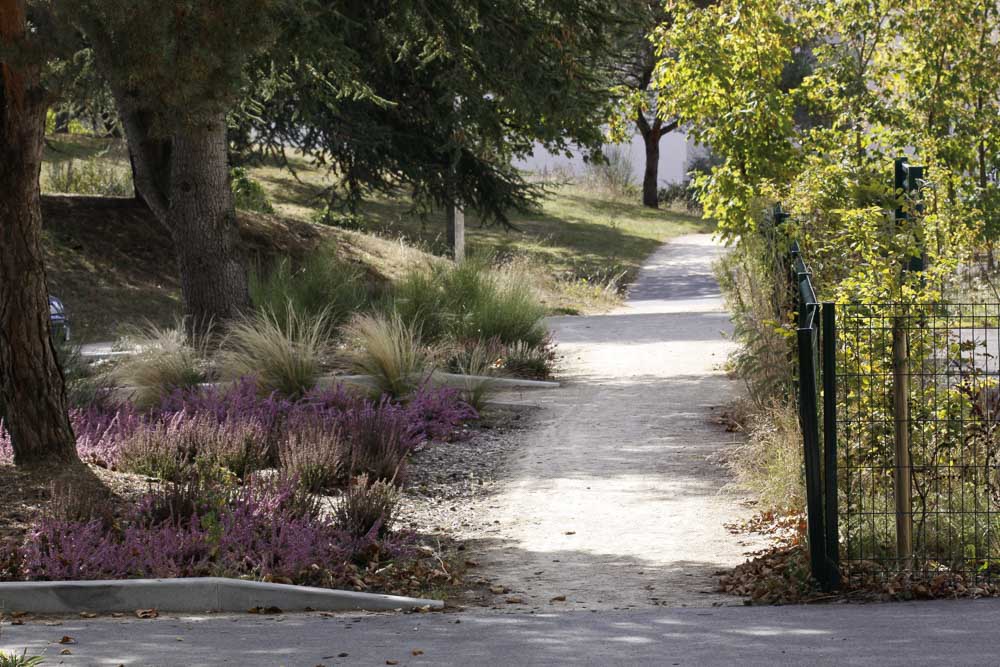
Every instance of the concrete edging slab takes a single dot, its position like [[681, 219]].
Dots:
[[215, 594]]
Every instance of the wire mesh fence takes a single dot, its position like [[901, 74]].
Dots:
[[918, 420]]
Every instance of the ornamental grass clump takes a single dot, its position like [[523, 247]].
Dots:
[[161, 361], [390, 351], [320, 285], [283, 355]]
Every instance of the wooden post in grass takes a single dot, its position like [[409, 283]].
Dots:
[[456, 233]]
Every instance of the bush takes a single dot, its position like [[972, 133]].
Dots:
[[378, 438], [283, 355], [19, 660], [248, 194], [435, 413], [322, 284], [390, 351], [367, 509], [163, 361], [313, 453], [90, 177]]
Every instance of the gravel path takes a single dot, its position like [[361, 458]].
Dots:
[[617, 499]]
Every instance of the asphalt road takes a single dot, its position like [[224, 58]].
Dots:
[[922, 633]]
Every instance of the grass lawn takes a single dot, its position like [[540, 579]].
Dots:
[[581, 244]]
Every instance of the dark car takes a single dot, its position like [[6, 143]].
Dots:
[[60, 322]]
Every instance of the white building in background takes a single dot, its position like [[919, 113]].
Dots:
[[675, 152]]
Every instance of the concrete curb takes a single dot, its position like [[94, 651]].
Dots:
[[207, 594]]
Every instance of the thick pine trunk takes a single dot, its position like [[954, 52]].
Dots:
[[650, 179], [202, 221], [31, 384]]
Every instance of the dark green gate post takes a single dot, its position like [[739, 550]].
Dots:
[[830, 499]]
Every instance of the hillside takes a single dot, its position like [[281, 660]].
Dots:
[[111, 262]]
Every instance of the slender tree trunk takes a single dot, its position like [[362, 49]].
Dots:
[[202, 220], [31, 384], [650, 180]]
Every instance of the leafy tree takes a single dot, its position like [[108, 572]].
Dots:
[[32, 387], [632, 73], [436, 96]]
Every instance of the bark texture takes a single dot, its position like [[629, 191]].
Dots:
[[651, 176], [31, 383], [202, 221]]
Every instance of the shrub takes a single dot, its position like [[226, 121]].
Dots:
[[390, 351], [367, 509], [163, 361], [312, 452], [434, 413], [285, 356], [165, 450], [90, 177], [378, 437], [321, 285], [248, 194]]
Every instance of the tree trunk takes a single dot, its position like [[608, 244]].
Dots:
[[651, 177], [202, 220], [31, 384]]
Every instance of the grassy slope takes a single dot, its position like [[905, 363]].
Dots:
[[112, 263]]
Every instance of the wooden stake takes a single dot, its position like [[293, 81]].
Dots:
[[903, 466]]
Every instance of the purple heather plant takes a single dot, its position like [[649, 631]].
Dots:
[[242, 430], [262, 530]]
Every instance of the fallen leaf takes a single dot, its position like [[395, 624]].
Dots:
[[17, 621], [392, 662], [416, 651], [65, 651], [558, 598], [88, 614], [515, 600], [67, 640], [498, 590], [570, 532], [146, 613]]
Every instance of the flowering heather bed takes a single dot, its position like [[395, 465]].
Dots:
[[240, 431], [263, 530]]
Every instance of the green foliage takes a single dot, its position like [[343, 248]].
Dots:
[[283, 354], [89, 177], [321, 284], [19, 660], [334, 217], [470, 302], [248, 194], [432, 96]]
